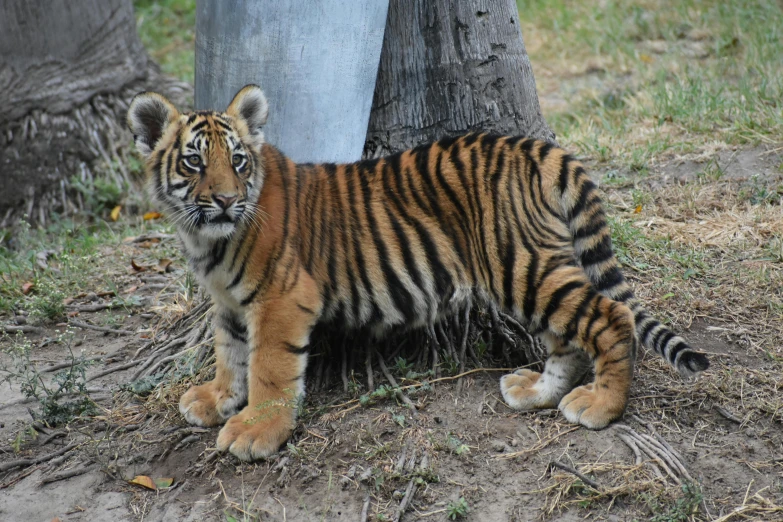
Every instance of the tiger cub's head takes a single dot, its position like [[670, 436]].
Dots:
[[203, 167]]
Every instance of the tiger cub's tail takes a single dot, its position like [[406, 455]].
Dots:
[[590, 233]]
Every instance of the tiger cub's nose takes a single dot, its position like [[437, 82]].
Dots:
[[224, 201]]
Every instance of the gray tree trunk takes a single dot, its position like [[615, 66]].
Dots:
[[448, 67], [67, 72], [316, 62]]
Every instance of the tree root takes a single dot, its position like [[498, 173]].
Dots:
[[5, 466], [410, 491], [70, 473], [86, 326], [472, 336], [662, 456]]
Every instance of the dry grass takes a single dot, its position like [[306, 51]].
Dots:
[[705, 251]]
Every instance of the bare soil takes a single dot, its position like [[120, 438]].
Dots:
[[727, 428]]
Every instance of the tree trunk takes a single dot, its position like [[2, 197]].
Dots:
[[448, 67], [67, 72], [315, 61]]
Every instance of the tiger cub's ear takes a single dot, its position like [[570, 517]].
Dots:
[[250, 106], [149, 115]]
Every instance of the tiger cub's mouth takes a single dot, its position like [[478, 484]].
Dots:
[[222, 218], [219, 225]]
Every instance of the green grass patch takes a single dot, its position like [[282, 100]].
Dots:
[[167, 29], [41, 267], [641, 79]]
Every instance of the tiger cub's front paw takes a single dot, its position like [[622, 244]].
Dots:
[[206, 405], [521, 393], [252, 434]]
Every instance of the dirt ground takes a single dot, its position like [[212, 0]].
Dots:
[[714, 448]]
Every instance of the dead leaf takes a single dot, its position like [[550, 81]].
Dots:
[[74, 313], [130, 290], [27, 288], [164, 483], [152, 215], [163, 266], [638, 209], [136, 267], [56, 519], [153, 484], [115, 213], [646, 58], [68, 300], [143, 481]]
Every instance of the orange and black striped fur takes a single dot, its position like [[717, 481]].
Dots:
[[396, 241]]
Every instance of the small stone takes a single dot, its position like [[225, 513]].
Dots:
[[514, 442], [366, 475], [398, 494], [498, 446]]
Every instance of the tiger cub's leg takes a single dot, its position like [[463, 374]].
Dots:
[[606, 332], [212, 403], [279, 335], [569, 308], [527, 390]]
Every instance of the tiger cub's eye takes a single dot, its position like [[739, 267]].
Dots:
[[194, 160], [237, 160]]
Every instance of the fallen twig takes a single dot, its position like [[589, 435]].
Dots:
[[727, 414], [24, 328], [580, 476]]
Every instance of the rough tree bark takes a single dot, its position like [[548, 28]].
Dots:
[[67, 72], [448, 67]]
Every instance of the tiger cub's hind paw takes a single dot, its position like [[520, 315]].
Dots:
[[522, 391], [592, 408]]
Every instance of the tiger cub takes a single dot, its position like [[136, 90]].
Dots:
[[400, 240]]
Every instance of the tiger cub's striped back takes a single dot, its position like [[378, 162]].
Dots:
[[467, 214], [398, 241]]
